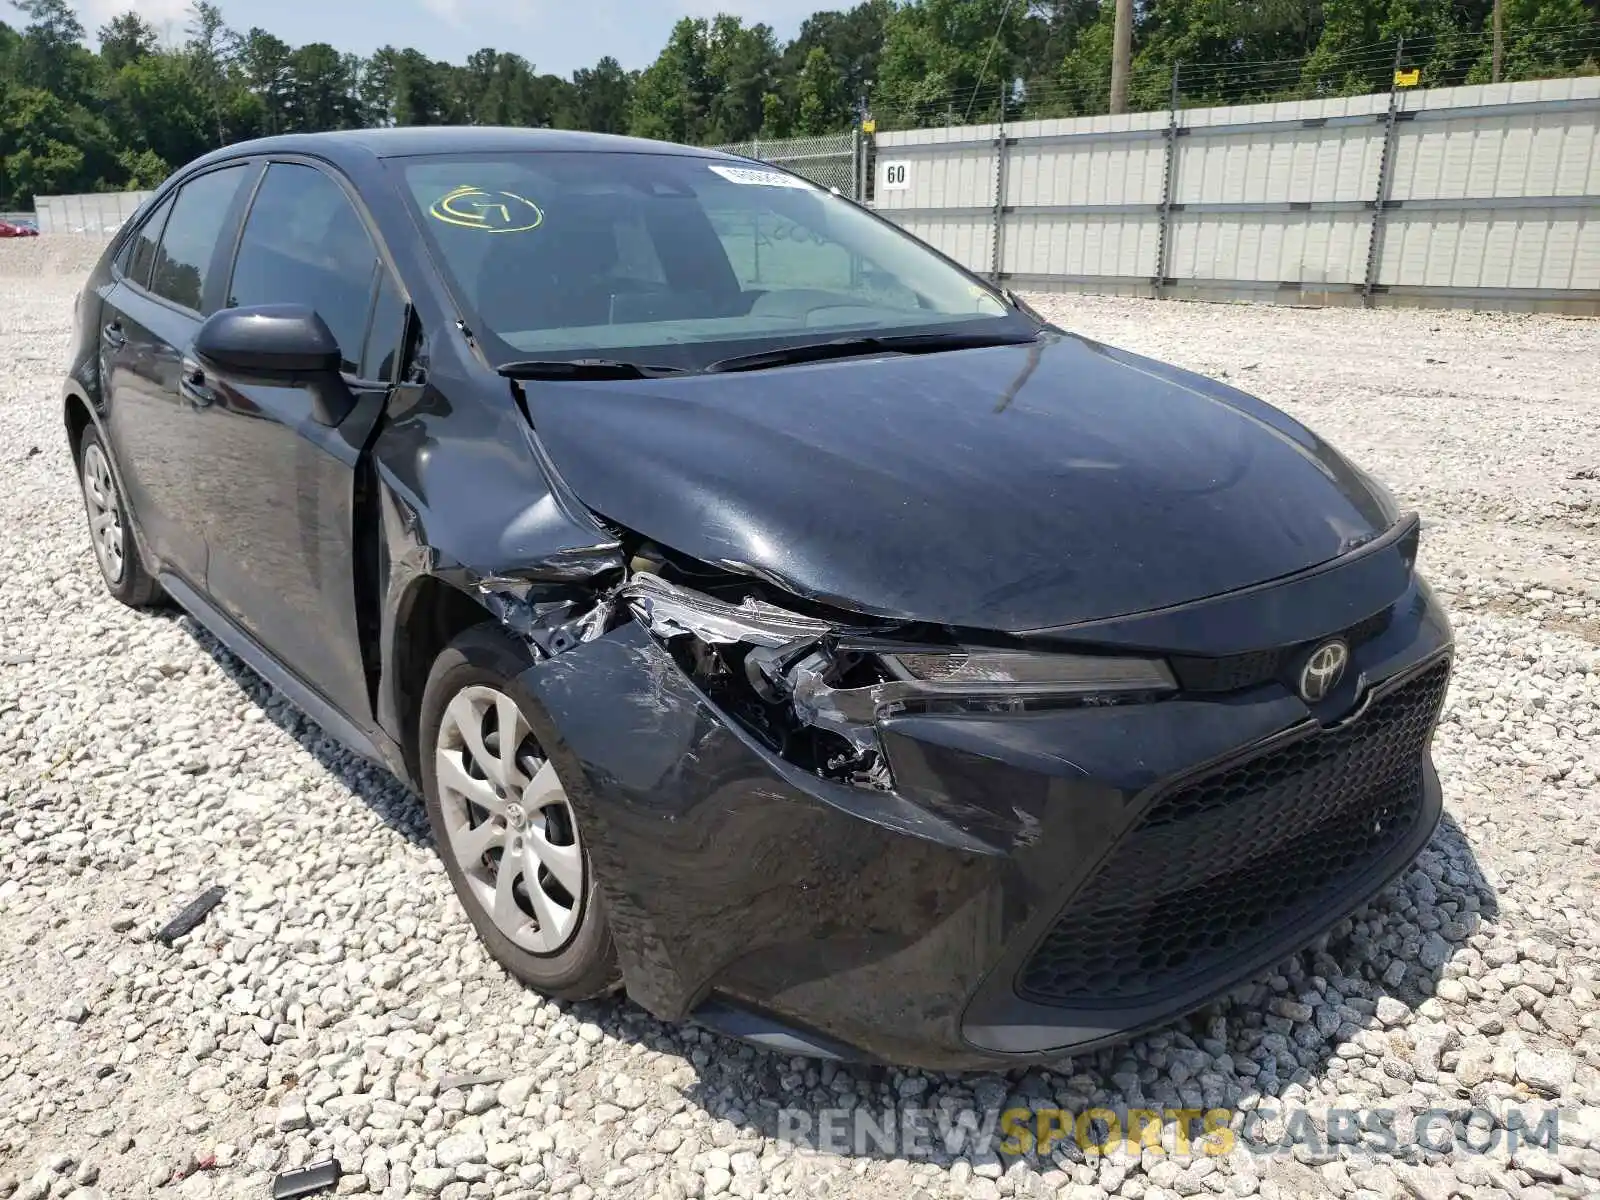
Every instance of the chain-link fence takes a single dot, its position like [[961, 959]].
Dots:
[[833, 160]]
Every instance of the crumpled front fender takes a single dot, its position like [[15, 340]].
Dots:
[[710, 852]]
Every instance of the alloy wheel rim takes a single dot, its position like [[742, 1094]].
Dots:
[[105, 513], [508, 822]]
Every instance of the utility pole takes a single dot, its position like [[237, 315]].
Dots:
[[1499, 44], [1121, 55]]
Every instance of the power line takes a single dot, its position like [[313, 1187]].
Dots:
[[984, 70]]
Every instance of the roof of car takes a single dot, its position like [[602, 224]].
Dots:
[[458, 139]]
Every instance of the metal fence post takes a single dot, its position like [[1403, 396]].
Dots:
[[864, 169], [1385, 177], [1168, 183], [999, 196]]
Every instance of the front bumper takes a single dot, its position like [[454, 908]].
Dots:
[[1029, 888]]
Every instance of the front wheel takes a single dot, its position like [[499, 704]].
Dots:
[[503, 824]]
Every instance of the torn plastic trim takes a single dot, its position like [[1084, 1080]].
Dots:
[[668, 611], [837, 710], [787, 664], [551, 625]]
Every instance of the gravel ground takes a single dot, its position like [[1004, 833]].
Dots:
[[335, 1004]]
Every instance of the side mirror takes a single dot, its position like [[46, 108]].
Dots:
[[270, 342], [287, 345]]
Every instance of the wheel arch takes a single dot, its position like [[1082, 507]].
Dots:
[[77, 415], [428, 615]]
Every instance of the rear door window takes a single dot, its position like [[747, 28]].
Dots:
[[304, 243], [189, 241]]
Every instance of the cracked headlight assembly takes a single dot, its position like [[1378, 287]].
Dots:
[[1017, 674], [753, 659], [788, 677]]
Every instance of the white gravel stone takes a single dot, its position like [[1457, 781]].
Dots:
[[459, 1149], [320, 1009], [1548, 1073], [74, 1011]]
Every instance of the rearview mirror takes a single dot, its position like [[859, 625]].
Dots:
[[287, 345], [271, 342]]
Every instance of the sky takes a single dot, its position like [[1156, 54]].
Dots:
[[555, 35]]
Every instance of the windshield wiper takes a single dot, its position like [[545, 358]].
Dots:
[[854, 347], [584, 368]]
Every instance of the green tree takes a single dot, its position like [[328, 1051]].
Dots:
[[496, 88], [709, 84], [673, 93], [821, 107], [774, 116], [554, 103], [321, 90], [1551, 37], [853, 42], [48, 146], [952, 59], [126, 38], [601, 97], [210, 51], [51, 55], [741, 63], [155, 104], [419, 95], [264, 61], [142, 169]]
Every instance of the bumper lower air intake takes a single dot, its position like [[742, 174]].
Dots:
[[1223, 861]]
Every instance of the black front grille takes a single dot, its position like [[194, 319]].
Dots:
[[1221, 863], [1235, 672]]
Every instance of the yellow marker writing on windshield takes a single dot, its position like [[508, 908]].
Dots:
[[470, 207]]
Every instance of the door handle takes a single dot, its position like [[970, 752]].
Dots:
[[115, 338], [192, 383]]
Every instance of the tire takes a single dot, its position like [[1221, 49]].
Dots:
[[545, 922], [111, 529]]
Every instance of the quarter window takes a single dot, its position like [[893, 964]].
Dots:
[[189, 242], [304, 243], [142, 251], [387, 332]]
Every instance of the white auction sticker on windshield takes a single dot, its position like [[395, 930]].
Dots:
[[753, 177]]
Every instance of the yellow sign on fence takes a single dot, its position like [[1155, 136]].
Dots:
[[1408, 78], [869, 126]]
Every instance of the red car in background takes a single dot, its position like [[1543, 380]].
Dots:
[[10, 229]]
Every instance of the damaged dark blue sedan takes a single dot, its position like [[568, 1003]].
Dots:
[[779, 622]]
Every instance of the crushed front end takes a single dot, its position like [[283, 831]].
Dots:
[[839, 836]]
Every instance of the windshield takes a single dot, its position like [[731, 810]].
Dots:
[[675, 260]]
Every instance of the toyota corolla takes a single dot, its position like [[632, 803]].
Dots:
[[778, 621]]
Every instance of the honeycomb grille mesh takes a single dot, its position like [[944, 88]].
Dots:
[[1221, 863]]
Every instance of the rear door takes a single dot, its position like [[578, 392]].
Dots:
[[170, 279], [282, 548]]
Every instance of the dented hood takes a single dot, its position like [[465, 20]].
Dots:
[[1008, 488]]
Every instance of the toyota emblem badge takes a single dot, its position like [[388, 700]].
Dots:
[[1323, 671]]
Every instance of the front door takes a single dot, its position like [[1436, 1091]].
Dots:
[[283, 548]]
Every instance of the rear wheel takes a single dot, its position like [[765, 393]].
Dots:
[[110, 532], [503, 824]]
